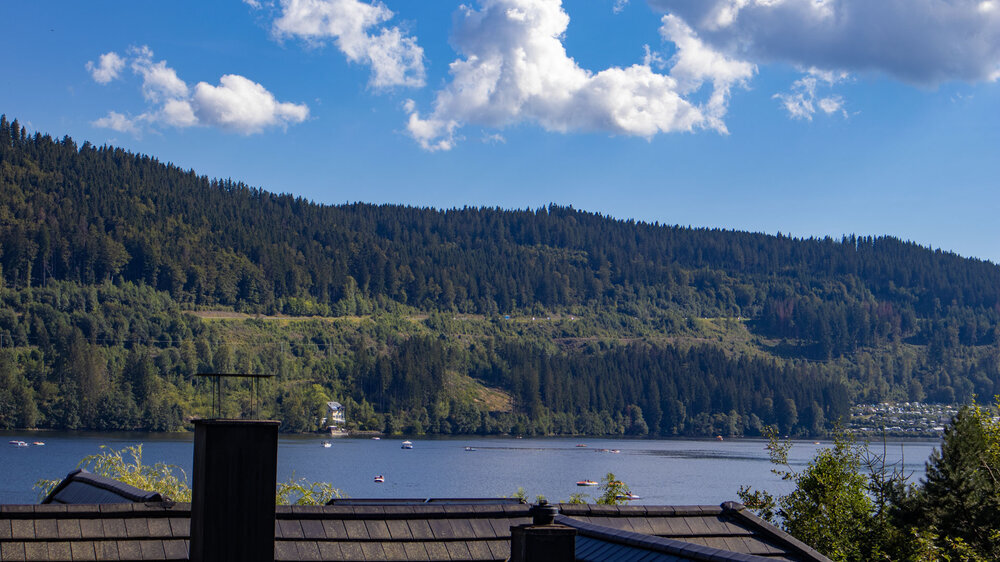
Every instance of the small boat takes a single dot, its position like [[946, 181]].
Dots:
[[470, 448], [616, 451], [587, 483], [327, 444], [718, 438], [18, 443], [376, 438], [38, 443], [379, 479], [407, 445], [628, 497], [581, 444]]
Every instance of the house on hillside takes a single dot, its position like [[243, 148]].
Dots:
[[335, 418]]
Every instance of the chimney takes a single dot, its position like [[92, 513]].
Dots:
[[233, 487], [543, 540]]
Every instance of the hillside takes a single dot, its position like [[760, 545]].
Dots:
[[463, 320]]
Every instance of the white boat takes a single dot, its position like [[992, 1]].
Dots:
[[38, 443], [18, 443], [407, 445], [379, 479], [470, 448], [327, 444]]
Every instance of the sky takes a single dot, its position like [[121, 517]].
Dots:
[[805, 117]]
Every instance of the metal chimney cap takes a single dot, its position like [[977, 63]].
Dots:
[[543, 513]]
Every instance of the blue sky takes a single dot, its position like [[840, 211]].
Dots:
[[808, 117]]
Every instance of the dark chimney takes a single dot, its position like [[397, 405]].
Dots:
[[233, 486], [542, 540]]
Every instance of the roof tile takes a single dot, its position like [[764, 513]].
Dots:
[[180, 527], [307, 550], [46, 529], [91, 529], [378, 530], [463, 528], [284, 550], [415, 551], [68, 529], [114, 528], [420, 529], [36, 551], [479, 550], [458, 551], [398, 529], [13, 551], [152, 550], [356, 530], [175, 550], [22, 529], [330, 551], [129, 550], [82, 550], [159, 527], [290, 529], [137, 528], [442, 529], [500, 549], [59, 551], [106, 550], [373, 551], [501, 527], [352, 551], [334, 529], [313, 529], [436, 551], [394, 551], [482, 529]]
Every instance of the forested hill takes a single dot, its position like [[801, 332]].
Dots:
[[869, 318]]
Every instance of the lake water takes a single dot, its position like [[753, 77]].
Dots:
[[662, 472]]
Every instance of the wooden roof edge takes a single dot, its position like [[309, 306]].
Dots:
[[740, 513], [657, 544]]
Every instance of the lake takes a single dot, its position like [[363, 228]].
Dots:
[[661, 472]]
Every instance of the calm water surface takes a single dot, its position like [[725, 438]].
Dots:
[[672, 472]]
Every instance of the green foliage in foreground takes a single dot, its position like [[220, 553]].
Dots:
[[125, 465], [849, 505]]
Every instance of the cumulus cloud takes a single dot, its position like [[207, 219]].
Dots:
[[515, 69], [237, 104], [619, 6], [923, 42], [107, 69], [355, 28], [802, 101], [117, 122], [242, 105]]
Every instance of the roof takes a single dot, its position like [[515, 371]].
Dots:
[[81, 487], [383, 530], [334, 405]]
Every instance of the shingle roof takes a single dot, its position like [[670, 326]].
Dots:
[[81, 486], [389, 531]]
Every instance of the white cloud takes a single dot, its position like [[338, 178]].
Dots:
[[619, 6], [237, 104], [158, 80], [241, 105], [395, 57], [916, 41], [117, 122], [107, 69], [515, 69], [803, 100]]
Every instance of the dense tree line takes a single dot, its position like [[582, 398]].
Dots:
[[101, 250]]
